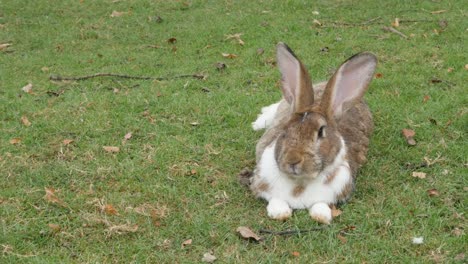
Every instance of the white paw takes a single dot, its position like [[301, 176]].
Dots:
[[278, 209], [321, 213]]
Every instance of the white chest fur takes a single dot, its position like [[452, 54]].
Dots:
[[278, 186]]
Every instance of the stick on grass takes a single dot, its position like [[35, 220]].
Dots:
[[81, 78]]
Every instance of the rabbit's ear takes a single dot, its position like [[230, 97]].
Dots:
[[348, 84], [295, 81]]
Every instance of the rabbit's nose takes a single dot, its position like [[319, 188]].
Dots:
[[295, 166]]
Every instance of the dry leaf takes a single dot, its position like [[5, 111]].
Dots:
[[335, 211], [172, 40], [4, 46], [110, 210], [457, 231], [25, 121], [186, 243], [296, 253], [260, 51], [466, 66], [229, 55], [236, 37], [220, 66], [117, 14], [315, 12], [409, 136], [433, 192], [378, 75], [342, 238], [128, 136], [396, 22], [51, 197], [426, 98], [111, 149], [67, 142], [450, 69], [438, 12], [316, 22], [15, 141], [54, 228], [27, 88], [208, 258], [420, 175], [246, 233], [120, 229]]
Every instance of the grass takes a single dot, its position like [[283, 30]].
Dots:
[[175, 178]]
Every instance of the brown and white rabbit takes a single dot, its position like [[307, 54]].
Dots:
[[316, 137]]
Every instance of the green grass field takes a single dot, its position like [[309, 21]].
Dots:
[[170, 193]]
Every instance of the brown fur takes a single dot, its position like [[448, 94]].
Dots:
[[298, 190]]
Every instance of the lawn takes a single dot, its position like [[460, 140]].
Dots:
[[118, 170]]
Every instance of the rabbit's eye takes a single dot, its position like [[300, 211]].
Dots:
[[321, 132]]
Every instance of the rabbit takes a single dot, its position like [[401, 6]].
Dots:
[[316, 138]]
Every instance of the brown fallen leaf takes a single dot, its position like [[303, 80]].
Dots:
[[128, 136], [25, 121], [236, 37], [396, 22], [27, 88], [433, 192], [409, 134], [117, 13], [51, 197], [15, 141], [111, 149], [317, 23], [122, 229], [342, 238], [378, 75], [172, 40], [296, 254], [67, 142], [229, 55], [246, 233], [110, 210], [208, 258], [186, 243], [4, 46], [54, 228], [220, 66], [420, 175], [426, 98], [438, 12]]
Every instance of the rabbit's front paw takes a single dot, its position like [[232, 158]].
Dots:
[[278, 209], [321, 213]]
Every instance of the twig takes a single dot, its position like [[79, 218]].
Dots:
[[290, 232], [370, 21], [391, 29], [80, 78], [416, 20]]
